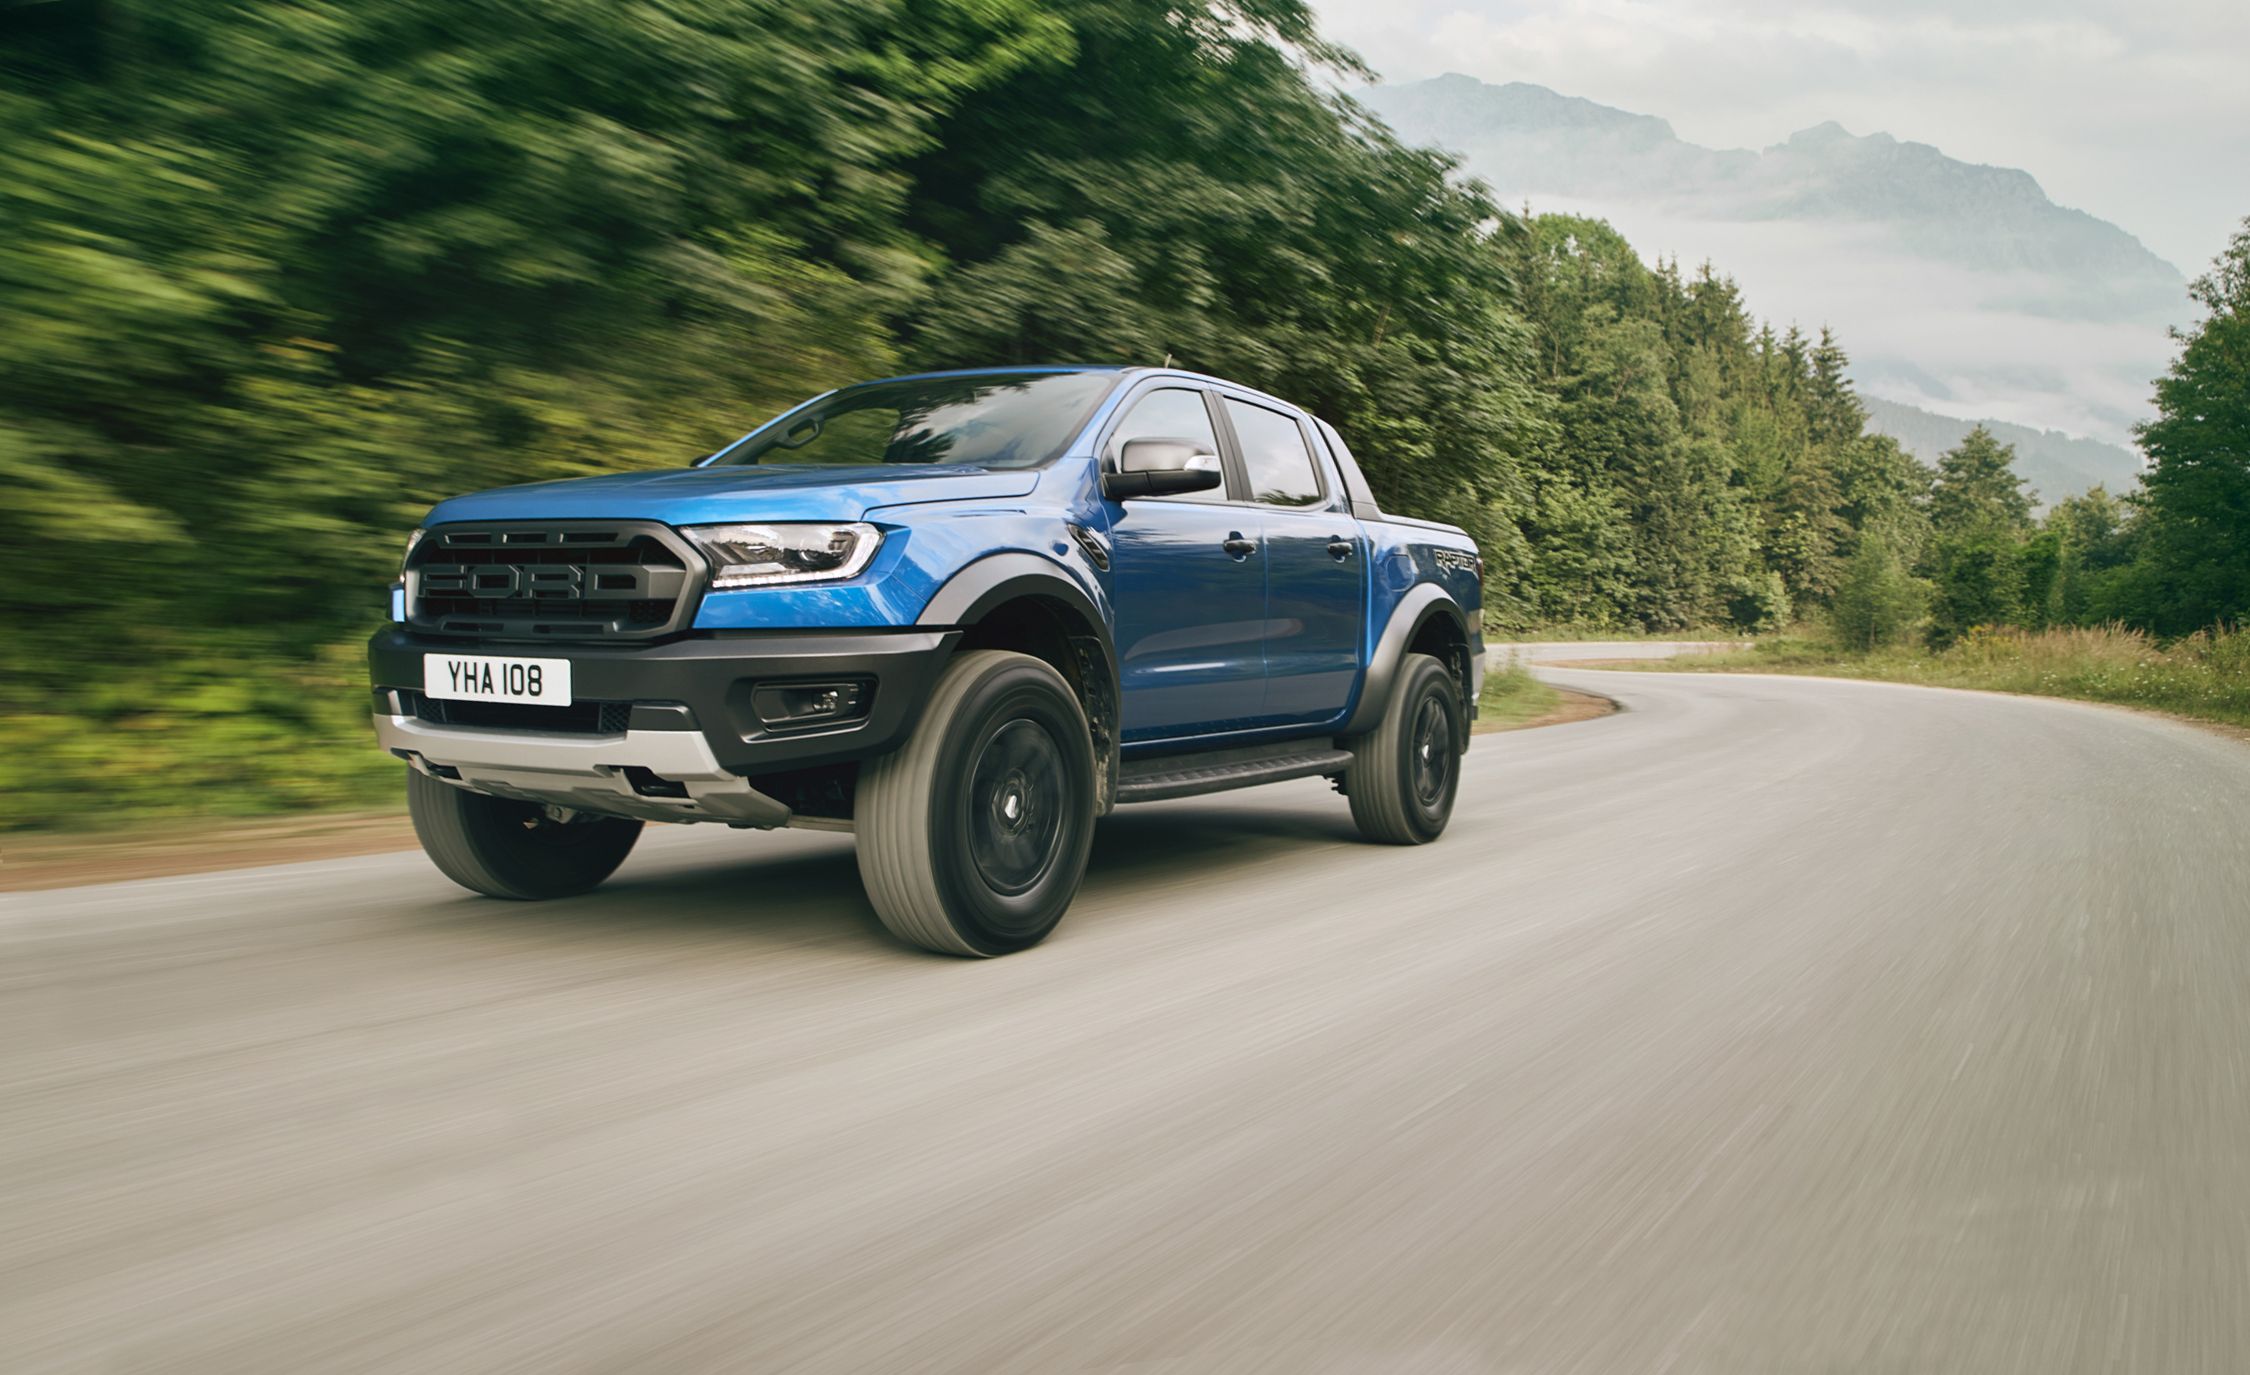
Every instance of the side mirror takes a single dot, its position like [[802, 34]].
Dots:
[[1162, 467]]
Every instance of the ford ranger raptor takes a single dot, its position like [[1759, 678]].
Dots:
[[960, 615]]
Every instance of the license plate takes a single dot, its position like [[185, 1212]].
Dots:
[[484, 678]]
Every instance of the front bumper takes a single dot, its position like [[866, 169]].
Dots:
[[606, 774], [680, 736]]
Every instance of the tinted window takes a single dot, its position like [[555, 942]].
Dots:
[[1172, 413], [1273, 450], [996, 420]]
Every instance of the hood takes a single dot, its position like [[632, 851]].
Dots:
[[706, 496]]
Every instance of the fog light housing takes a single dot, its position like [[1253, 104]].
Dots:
[[793, 706]]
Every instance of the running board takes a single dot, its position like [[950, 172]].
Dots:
[[1215, 771]]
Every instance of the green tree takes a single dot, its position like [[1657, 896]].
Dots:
[[1878, 599], [1980, 517], [1977, 487], [1833, 415], [1978, 580], [2096, 539], [2197, 530]]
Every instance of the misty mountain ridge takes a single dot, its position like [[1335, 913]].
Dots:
[[1958, 287], [1993, 219], [2054, 465]]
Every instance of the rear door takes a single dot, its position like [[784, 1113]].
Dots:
[[1315, 567], [1188, 583]]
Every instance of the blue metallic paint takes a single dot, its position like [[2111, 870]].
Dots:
[[1315, 606], [1190, 619]]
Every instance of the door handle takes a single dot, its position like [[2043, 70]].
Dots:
[[1339, 548], [1239, 548]]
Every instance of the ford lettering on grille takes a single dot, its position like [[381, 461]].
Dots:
[[607, 580]]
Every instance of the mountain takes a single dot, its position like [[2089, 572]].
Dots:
[[2056, 465], [1959, 288]]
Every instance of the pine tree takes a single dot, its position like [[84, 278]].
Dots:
[[1980, 516], [1977, 486], [1834, 414]]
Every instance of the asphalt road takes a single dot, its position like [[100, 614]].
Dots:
[[1769, 1025]]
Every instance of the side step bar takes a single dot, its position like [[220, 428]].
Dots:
[[1215, 771]]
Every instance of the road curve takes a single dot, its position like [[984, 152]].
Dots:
[[1772, 1024]]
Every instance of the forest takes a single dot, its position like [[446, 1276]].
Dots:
[[275, 277]]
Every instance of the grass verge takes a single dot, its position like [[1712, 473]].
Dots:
[[2205, 677], [1512, 697], [1514, 700]]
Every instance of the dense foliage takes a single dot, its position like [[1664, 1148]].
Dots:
[[1698, 470], [276, 277]]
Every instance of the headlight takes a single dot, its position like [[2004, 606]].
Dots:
[[411, 541], [756, 555]]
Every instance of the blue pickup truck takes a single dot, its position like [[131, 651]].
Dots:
[[961, 615]]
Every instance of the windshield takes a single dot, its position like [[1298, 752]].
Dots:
[[992, 420]]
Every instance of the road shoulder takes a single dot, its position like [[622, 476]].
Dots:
[[34, 862]]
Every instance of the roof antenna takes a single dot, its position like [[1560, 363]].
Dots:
[[1167, 358]]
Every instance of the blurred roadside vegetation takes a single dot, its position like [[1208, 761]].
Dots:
[[275, 277]]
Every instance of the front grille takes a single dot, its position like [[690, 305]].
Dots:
[[579, 718], [559, 580]]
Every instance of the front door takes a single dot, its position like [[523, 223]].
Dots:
[[1189, 586]]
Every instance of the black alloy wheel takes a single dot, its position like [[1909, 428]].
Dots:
[[1432, 744], [1016, 805]]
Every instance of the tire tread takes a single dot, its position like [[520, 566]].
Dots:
[[892, 814]]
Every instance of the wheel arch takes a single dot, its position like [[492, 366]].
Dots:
[[1425, 621], [1030, 604]]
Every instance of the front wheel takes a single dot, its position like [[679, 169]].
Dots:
[[503, 848], [1404, 773], [973, 836]]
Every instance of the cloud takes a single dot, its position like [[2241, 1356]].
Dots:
[[2137, 113]]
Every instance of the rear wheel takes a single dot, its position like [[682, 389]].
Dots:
[[503, 848], [973, 836], [1404, 773]]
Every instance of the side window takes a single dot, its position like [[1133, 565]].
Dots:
[[1171, 413], [1273, 450]]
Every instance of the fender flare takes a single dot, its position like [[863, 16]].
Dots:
[[996, 579], [1415, 610]]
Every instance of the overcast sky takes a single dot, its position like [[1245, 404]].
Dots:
[[2138, 113]]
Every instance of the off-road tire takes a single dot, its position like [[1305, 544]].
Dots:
[[1405, 772], [503, 848], [973, 835]]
